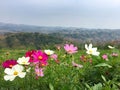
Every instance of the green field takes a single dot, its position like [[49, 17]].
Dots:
[[96, 73]]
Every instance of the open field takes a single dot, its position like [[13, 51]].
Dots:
[[76, 71]]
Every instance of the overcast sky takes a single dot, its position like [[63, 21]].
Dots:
[[74, 13]]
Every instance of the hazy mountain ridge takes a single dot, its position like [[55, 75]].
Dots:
[[27, 28], [32, 28], [81, 34]]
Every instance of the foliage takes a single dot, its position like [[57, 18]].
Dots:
[[31, 40], [96, 73]]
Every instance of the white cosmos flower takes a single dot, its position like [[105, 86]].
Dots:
[[24, 60], [91, 50], [49, 52], [13, 72], [111, 47]]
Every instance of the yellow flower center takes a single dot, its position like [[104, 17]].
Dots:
[[90, 51], [15, 73], [24, 62], [70, 51], [43, 64], [40, 57], [48, 53], [10, 65]]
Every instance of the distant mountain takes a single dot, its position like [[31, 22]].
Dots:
[[8, 27], [72, 33]]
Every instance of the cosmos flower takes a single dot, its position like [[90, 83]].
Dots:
[[70, 48], [9, 63], [54, 56], [16, 70], [91, 50], [114, 54], [43, 63], [49, 52], [39, 71], [111, 47], [30, 54], [105, 57], [40, 57], [23, 60], [76, 65]]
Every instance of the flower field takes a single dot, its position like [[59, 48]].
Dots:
[[65, 68]]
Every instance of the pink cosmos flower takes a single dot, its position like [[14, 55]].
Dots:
[[9, 63], [39, 72], [105, 57], [54, 56], [40, 57], [114, 54], [70, 48], [76, 65], [30, 54]]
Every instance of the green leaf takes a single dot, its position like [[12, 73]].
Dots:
[[103, 78], [97, 87], [88, 86], [51, 86], [103, 65]]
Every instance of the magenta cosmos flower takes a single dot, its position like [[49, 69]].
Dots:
[[70, 48], [43, 63], [9, 63], [30, 54], [40, 57]]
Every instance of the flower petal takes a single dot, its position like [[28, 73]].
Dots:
[[22, 74], [90, 46], [8, 71], [86, 46], [18, 68], [94, 49], [75, 48], [96, 53], [9, 77], [71, 46]]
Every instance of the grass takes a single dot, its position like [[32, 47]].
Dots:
[[64, 76]]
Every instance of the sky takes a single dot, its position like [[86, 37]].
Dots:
[[69, 13]]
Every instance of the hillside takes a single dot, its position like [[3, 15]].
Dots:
[[79, 34], [13, 35], [96, 35], [29, 40]]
